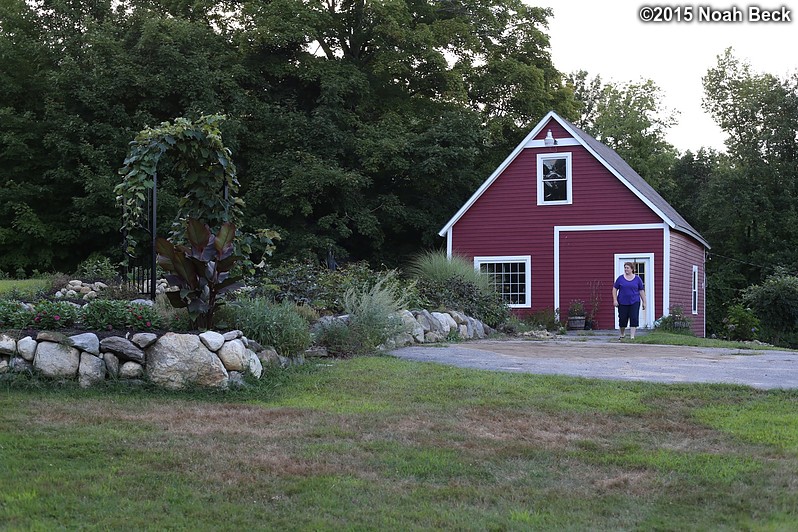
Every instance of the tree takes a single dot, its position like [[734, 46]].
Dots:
[[630, 119]]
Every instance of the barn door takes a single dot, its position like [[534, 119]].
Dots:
[[643, 266]]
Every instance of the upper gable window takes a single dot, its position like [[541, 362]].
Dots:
[[554, 179]]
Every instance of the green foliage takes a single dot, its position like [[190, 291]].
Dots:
[[308, 283], [115, 314], [96, 268], [14, 314], [675, 322], [775, 304], [741, 323], [576, 308], [454, 284], [374, 313], [201, 270], [54, 314], [337, 337], [544, 319], [279, 325]]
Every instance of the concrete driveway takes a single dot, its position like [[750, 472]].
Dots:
[[618, 361]]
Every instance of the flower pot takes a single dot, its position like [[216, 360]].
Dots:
[[576, 323]]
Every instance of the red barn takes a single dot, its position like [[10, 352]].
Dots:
[[558, 218]]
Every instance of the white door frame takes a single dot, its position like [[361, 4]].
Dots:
[[646, 316]]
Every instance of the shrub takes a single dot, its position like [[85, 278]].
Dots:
[[104, 314], [273, 324], [445, 283], [775, 304], [544, 319], [14, 314], [54, 314], [337, 337], [740, 323], [374, 313], [96, 268], [675, 322]]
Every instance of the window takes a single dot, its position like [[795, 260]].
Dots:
[[554, 179], [510, 276], [695, 290]]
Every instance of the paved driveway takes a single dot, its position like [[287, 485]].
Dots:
[[618, 361]]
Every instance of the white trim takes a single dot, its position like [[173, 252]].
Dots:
[[666, 272], [449, 242], [559, 143], [583, 228], [650, 286], [529, 139], [569, 198], [527, 260]]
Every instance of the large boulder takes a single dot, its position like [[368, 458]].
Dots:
[[56, 360], [91, 370], [234, 356], [179, 360]]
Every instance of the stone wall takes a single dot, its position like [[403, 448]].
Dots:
[[210, 359]]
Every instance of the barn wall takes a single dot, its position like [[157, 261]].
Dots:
[[686, 253]]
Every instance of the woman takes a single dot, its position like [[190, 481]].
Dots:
[[628, 294]]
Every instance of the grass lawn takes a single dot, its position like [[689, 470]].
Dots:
[[376, 443], [22, 286]]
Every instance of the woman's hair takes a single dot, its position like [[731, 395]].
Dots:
[[631, 265]]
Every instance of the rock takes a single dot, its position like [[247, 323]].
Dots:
[[87, 342], [111, 364], [144, 340], [414, 328], [123, 348], [56, 360], [51, 336], [20, 365], [233, 355], [232, 335], [212, 340], [317, 351], [179, 360], [4, 366], [131, 370], [255, 366], [269, 357], [446, 322], [91, 370], [8, 346]]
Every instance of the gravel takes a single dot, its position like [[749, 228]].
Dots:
[[618, 361]]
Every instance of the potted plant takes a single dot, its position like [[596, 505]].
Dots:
[[576, 314]]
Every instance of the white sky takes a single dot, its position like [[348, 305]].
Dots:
[[609, 39]]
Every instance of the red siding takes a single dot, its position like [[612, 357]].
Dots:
[[506, 219], [686, 253], [557, 131], [587, 256]]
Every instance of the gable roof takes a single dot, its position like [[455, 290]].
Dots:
[[611, 161]]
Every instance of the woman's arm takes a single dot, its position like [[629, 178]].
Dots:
[[615, 296]]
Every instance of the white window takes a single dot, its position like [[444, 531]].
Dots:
[[510, 276], [554, 179], [695, 289]]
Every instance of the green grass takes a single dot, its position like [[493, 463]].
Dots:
[[665, 338], [376, 443], [22, 286]]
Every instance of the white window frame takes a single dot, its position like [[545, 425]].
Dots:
[[568, 177], [694, 292], [527, 262]]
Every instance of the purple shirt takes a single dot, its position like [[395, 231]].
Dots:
[[628, 291]]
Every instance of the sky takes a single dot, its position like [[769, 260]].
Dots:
[[610, 39]]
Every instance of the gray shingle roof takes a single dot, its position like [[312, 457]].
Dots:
[[627, 173]]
